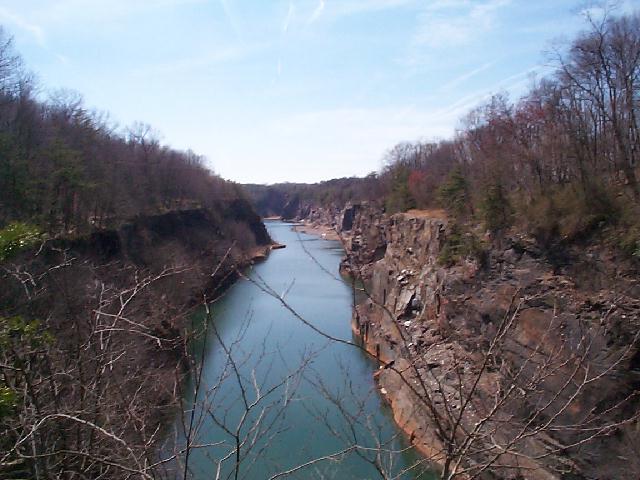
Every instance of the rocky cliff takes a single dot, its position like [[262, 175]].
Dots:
[[518, 363]]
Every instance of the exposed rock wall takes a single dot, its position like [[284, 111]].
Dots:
[[189, 244], [568, 359]]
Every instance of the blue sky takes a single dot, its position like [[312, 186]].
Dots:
[[297, 90]]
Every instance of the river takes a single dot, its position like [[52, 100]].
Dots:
[[283, 391]]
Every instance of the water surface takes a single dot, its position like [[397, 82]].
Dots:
[[282, 390]]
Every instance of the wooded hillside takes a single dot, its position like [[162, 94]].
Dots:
[[69, 169], [560, 163]]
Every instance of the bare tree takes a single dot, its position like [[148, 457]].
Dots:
[[602, 69], [532, 394]]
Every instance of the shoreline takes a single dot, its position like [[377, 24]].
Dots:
[[388, 384], [327, 233], [261, 252], [393, 397]]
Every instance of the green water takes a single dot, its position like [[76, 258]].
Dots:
[[308, 396]]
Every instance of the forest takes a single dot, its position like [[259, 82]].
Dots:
[[70, 170]]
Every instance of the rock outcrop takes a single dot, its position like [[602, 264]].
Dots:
[[522, 365]]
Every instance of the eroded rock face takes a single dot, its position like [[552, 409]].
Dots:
[[542, 356], [365, 238]]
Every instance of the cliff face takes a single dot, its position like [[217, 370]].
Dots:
[[172, 259], [196, 231], [187, 244], [526, 363]]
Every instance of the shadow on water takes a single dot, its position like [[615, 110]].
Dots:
[[283, 392]]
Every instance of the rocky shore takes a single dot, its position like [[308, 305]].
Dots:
[[323, 231], [520, 363]]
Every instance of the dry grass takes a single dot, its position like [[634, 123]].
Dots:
[[438, 213]]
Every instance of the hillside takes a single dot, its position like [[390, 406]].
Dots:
[[108, 243]]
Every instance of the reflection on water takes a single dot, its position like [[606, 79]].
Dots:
[[281, 391]]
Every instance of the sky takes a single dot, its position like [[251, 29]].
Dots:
[[291, 90]]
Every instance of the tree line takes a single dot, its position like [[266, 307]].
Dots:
[[70, 169], [559, 162]]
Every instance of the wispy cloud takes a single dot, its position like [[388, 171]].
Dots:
[[343, 8], [62, 59], [185, 65], [317, 12], [513, 84], [72, 12], [447, 24], [456, 82], [289, 18], [598, 11], [231, 17], [35, 31], [347, 7], [455, 22]]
